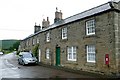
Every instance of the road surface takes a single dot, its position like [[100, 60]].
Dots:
[[9, 68]]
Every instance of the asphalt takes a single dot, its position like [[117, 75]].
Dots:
[[59, 68]]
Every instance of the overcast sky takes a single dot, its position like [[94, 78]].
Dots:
[[18, 17]]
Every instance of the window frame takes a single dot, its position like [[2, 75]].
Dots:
[[29, 42], [48, 37], [90, 26], [33, 41], [47, 53], [38, 40], [91, 53], [64, 33], [70, 53]]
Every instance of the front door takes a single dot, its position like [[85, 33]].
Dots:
[[39, 55], [57, 56]]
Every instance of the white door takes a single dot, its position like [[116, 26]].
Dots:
[[39, 55]]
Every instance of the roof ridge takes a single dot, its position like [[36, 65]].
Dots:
[[86, 13], [86, 10]]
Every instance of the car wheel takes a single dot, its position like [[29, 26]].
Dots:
[[23, 63], [18, 62]]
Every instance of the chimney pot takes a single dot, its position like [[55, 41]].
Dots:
[[47, 18]]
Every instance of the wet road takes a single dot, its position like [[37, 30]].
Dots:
[[9, 68]]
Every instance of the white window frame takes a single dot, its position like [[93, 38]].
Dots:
[[64, 33], [37, 40], [33, 41], [47, 53], [28, 42], [90, 27], [48, 37], [72, 53], [91, 54]]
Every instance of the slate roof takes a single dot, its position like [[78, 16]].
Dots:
[[87, 13]]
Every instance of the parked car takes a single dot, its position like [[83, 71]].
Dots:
[[26, 58], [1, 53]]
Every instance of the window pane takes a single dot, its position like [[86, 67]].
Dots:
[[69, 50], [91, 56], [47, 53], [74, 49], [74, 55], [37, 40], [48, 37], [70, 56]]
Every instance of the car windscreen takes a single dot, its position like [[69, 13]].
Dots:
[[27, 55]]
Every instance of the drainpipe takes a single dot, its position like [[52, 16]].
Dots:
[[117, 41]]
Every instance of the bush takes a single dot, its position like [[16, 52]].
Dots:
[[35, 50]]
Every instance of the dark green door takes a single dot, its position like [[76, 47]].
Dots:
[[57, 56]]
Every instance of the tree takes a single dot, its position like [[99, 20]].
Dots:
[[16, 45]]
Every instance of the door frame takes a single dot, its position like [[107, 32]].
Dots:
[[39, 56], [58, 58]]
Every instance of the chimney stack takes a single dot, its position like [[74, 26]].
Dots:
[[58, 15], [37, 28], [45, 23]]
